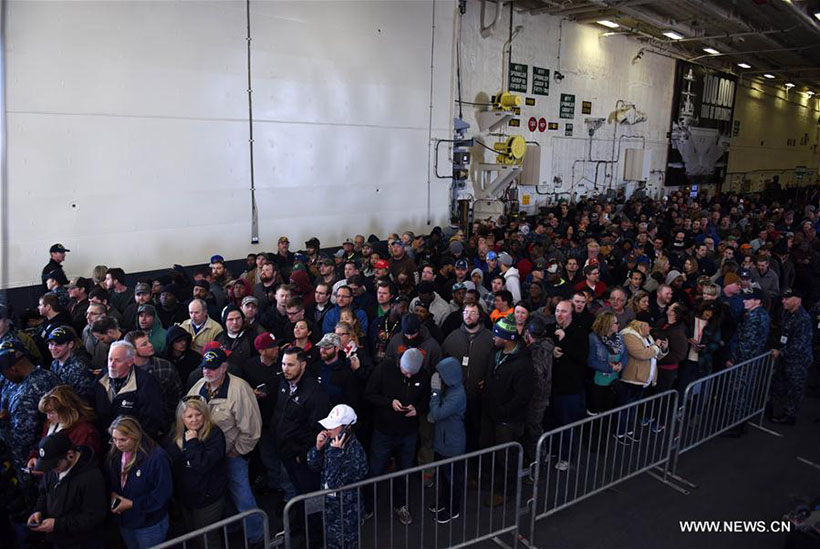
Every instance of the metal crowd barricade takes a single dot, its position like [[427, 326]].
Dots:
[[579, 460], [488, 487], [718, 402], [217, 535]]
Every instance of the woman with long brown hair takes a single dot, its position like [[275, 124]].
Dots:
[[66, 411], [138, 472]]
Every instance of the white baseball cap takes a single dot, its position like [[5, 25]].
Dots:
[[341, 414]]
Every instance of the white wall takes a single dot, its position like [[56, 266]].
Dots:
[[597, 69], [128, 133]]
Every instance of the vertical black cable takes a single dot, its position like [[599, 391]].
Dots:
[[254, 212]]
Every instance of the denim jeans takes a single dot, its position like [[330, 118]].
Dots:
[[568, 409], [239, 488], [142, 538], [627, 394], [382, 447]]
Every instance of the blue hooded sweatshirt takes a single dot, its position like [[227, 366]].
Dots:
[[447, 408]]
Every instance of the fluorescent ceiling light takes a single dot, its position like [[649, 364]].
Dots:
[[769, 76], [608, 24], [711, 51], [744, 65], [673, 35], [817, 15], [789, 85]]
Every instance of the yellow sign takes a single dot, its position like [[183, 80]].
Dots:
[[525, 200]]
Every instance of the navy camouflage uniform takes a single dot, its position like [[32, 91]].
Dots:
[[76, 373], [752, 336], [22, 426], [340, 467], [789, 381]]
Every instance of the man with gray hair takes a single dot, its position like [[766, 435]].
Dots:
[[202, 328], [129, 391]]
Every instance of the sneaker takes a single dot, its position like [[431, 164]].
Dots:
[[562, 465], [633, 437], [646, 422], [435, 508], [404, 515], [591, 414], [429, 480], [366, 516], [622, 440], [658, 428], [445, 516]]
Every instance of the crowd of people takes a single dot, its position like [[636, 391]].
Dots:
[[186, 396]]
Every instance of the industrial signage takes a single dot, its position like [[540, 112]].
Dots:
[[515, 123], [553, 125], [518, 78], [529, 101], [540, 81], [532, 124], [542, 124], [567, 108], [586, 107], [568, 130]]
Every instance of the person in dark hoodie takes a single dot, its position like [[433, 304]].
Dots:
[[196, 449], [236, 338], [178, 351], [399, 392], [72, 504], [448, 405], [507, 392]]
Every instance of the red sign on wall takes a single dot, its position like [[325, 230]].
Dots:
[[532, 124], [542, 124]]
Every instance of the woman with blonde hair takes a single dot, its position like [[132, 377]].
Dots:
[[197, 452], [640, 372], [640, 305], [66, 411], [139, 479]]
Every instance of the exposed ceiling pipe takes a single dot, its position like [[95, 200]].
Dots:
[[807, 20], [487, 30], [569, 9]]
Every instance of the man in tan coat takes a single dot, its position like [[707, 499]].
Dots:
[[202, 328]]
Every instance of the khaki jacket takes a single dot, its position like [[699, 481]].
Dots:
[[208, 333], [640, 353], [237, 415]]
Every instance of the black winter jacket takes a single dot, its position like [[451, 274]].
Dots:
[[78, 504], [509, 386], [199, 469], [388, 383], [296, 417]]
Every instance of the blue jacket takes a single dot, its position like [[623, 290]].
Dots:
[[148, 485], [598, 359], [447, 409], [332, 318]]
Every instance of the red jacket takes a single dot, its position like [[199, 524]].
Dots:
[[82, 433]]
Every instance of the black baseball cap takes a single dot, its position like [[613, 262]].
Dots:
[[10, 353], [213, 359], [58, 248], [793, 292], [52, 449]]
